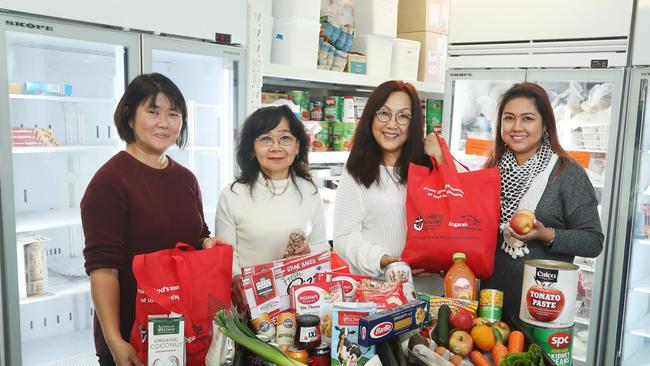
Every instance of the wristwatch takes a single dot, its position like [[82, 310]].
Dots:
[[550, 242]]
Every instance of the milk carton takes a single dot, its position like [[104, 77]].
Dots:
[[345, 333], [166, 340]]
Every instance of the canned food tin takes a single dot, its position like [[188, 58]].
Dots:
[[548, 293], [433, 116], [301, 99], [491, 304], [348, 109], [557, 342], [333, 109], [342, 133], [286, 329], [317, 110], [322, 139], [263, 325], [401, 271]]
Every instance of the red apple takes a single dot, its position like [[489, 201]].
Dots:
[[461, 319], [545, 303], [461, 343], [503, 328], [479, 321], [522, 222]]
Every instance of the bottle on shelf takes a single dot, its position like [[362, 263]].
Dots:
[[460, 282]]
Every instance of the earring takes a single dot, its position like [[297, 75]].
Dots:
[[546, 135]]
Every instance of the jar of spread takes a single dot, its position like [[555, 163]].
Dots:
[[297, 354], [320, 355], [307, 331]]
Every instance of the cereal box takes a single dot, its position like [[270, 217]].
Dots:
[[345, 349], [166, 340], [317, 299], [350, 282], [383, 326]]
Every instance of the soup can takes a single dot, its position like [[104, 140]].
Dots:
[[557, 342], [548, 293]]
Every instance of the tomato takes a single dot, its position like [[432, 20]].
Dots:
[[545, 303]]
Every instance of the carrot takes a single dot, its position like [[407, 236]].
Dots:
[[516, 342], [478, 359], [498, 352]]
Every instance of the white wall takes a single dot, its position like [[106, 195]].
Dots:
[[640, 49], [192, 18]]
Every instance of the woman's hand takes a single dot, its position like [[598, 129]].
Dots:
[[538, 232], [237, 293], [213, 242], [433, 149], [387, 259], [421, 273], [123, 353]]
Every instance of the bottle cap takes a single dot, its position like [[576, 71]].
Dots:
[[458, 256]]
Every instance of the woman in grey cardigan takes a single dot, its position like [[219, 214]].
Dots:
[[538, 174]]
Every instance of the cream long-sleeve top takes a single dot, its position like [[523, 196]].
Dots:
[[258, 225], [371, 222]]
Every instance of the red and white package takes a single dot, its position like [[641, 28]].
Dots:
[[386, 295], [317, 299], [257, 268], [261, 294], [298, 272], [350, 282]]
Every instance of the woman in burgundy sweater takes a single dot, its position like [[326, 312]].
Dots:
[[140, 201]]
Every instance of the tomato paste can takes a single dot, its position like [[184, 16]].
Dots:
[[557, 342], [491, 304], [548, 293], [301, 99], [333, 109], [401, 271]]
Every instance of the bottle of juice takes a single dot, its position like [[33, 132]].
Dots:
[[460, 282]]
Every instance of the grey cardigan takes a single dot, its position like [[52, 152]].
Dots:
[[567, 205]]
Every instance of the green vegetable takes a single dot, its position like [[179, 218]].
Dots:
[[435, 335], [232, 328], [531, 358], [443, 325]]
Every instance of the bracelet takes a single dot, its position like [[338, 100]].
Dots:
[[550, 242], [203, 242]]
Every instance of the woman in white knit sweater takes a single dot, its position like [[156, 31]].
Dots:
[[273, 195], [370, 211]]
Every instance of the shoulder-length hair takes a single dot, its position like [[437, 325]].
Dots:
[[144, 89], [260, 122], [543, 105], [366, 155]]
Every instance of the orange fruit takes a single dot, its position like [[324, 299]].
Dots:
[[483, 337]]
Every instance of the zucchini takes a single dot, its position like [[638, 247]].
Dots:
[[443, 325]]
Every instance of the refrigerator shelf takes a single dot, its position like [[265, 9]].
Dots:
[[79, 349], [639, 358], [47, 219], [642, 241], [58, 288], [581, 320], [62, 149], [641, 327], [53, 98], [642, 286], [325, 157]]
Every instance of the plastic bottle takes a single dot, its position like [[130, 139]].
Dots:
[[460, 282]]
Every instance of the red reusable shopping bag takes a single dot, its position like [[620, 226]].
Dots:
[[193, 283], [449, 212]]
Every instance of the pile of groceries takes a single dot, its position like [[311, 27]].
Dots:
[[311, 310]]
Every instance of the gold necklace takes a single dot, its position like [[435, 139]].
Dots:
[[272, 191]]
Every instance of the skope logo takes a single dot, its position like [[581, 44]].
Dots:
[[381, 330], [560, 340], [29, 25]]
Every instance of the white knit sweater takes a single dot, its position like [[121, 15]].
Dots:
[[371, 222], [259, 225]]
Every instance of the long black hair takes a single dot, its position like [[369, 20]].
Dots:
[[260, 122], [366, 155]]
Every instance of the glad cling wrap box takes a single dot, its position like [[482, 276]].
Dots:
[[345, 349], [350, 282], [317, 299], [300, 271]]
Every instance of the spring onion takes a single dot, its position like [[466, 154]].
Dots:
[[232, 328]]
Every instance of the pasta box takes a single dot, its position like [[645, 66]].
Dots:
[[380, 327]]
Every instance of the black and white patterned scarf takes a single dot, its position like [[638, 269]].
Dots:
[[515, 179]]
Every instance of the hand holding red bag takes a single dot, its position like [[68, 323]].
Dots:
[[193, 283], [449, 212]]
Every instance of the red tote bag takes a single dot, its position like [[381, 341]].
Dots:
[[449, 212], [183, 280]]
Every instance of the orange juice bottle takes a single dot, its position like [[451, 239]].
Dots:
[[460, 282]]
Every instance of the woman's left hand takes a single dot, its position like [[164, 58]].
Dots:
[[213, 242], [421, 273], [302, 249], [538, 232]]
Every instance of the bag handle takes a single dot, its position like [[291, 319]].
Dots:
[[445, 151]]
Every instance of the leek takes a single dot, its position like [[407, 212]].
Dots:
[[240, 334]]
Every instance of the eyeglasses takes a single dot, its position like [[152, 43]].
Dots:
[[402, 117], [268, 140]]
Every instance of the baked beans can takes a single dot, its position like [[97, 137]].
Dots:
[[491, 304], [401, 271], [557, 342], [548, 293]]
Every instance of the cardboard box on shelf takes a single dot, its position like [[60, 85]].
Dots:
[[423, 16], [433, 55], [357, 63]]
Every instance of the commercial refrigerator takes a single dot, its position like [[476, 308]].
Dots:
[[587, 106], [628, 340], [59, 85]]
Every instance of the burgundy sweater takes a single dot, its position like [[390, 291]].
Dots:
[[130, 208]]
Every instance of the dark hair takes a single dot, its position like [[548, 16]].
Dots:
[[262, 121], [366, 154], [145, 89], [543, 105]]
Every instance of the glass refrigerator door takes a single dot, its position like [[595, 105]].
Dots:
[[587, 105], [470, 109], [210, 78], [635, 330], [63, 83]]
